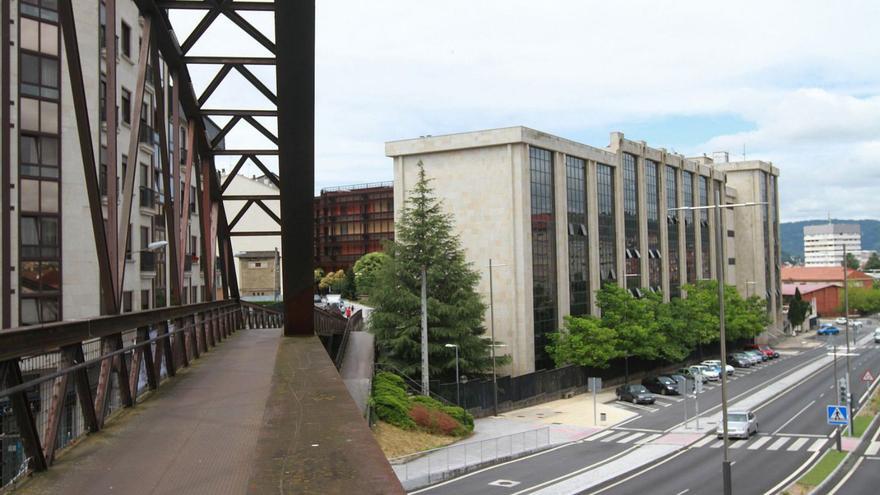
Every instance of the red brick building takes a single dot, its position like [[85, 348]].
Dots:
[[825, 298], [351, 221], [800, 275]]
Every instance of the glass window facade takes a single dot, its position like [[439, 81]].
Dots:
[[765, 226], [607, 230], [631, 222], [543, 252], [705, 232], [774, 190], [652, 210], [673, 218], [690, 242], [39, 187], [578, 260]]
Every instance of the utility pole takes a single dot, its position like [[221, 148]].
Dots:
[[846, 316], [836, 386], [426, 379], [492, 324], [719, 252]]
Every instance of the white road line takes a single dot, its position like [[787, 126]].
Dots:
[[683, 491], [637, 406], [873, 448], [599, 435], [630, 438], [846, 478], [778, 443], [738, 444], [793, 417], [818, 444], [797, 445], [644, 430], [704, 441], [614, 437], [717, 444], [647, 439], [759, 442]]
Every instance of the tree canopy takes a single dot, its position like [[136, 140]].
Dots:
[[798, 309], [367, 268], [425, 238], [852, 262], [873, 262]]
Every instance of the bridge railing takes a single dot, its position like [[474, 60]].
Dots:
[[61, 381]]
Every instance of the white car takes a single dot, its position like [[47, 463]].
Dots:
[[840, 320], [708, 373], [877, 335], [740, 424], [717, 364]]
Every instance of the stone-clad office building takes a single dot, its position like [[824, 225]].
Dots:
[[560, 219]]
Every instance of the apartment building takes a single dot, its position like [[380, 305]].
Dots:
[[824, 244], [561, 218]]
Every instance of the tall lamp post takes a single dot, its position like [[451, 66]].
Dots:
[[719, 256], [846, 316], [492, 326], [457, 376]]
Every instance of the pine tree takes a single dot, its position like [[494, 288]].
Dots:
[[455, 311]]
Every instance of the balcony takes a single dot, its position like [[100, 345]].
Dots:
[[149, 198], [146, 135], [148, 261]]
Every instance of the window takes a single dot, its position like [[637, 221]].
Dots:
[[43, 9], [673, 220], [607, 230], [39, 75], [543, 252], [102, 100], [125, 38], [705, 230], [39, 156], [578, 261], [145, 299], [731, 261], [128, 244], [145, 238], [631, 221], [690, 242], [652, 205], [126, 106], [39, 237], [194, 246], [126, 301]]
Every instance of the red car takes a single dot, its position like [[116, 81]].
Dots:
[[763, 349]]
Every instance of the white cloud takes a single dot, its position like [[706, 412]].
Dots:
[[803, 72]]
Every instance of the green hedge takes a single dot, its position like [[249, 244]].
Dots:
[[392, 404]]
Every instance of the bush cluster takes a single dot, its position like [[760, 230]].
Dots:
[[392, 405]]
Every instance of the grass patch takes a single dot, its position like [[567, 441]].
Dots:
[[396, 442], [822, 469], [860, 424]]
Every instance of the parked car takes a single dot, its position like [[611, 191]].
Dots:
[[740, 424], [716, 363], [739, 360], [830, 330], [707, 372], [662, 385], [753, 357], [637, 394], [760, 355], [877, 335], [763, 349], [676, 377]]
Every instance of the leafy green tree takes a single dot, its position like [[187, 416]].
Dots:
[[632, 320], [798, 310], [319, 274], [852, 262], [332, 280], [698, 313], [425, 238], [583, 341], [863, 300], [366, 270], [873, 262], [348, 288], [676, 340]]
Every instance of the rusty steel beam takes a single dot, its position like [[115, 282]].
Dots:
[[233, 172], [200, 28], [267, 152], [110, 117], [5, 165], [224, 131], [185, 198], [255, 81], [203, 171], [245, 197], [265, 170], [109, 299], [295, 80], [215, 82], [200, 5], [10, 376], [268, 211], [208, 60], [256, 233], [59, 394], [240, 213], [231, 113], [84, 390]]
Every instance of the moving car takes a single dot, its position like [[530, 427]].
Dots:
[[637, 394], [739, 360], [740, 424], [707, 372], [662, 385], [830, 330], [840, 320], [716, 363], [877, 335]]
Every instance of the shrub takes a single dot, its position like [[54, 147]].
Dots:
[[429, 402], [463, 417], [436, 421], [390, 401]]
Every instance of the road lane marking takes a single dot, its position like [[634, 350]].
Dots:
[[794, 447], [818, 444], [683, 491], [737, 445], [636, 406], [793, 417], [630, 438], [650, 467], [778, 443], [577, 472], [704, 441], [614, 437], [846, 478], [649, 438], [645, 430], [599, 435], [759, 442], [873, 448], [717, 444]]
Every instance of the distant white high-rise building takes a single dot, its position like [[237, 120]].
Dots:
[[823, 244]]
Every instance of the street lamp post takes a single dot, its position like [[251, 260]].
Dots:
[[492, 328], [457, 377], [719, 252], [846, 316]]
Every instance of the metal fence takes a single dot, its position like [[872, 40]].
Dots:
[[63, 380], [435, 465]]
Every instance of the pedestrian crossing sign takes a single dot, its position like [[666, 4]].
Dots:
[[838, 415]]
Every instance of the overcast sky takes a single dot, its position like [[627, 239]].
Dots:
[[796, 82]]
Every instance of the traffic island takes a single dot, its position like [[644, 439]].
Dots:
[[814, 477]]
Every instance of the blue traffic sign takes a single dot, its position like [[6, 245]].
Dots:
[[838, 415]]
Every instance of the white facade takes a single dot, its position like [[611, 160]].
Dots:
[[824, 244]]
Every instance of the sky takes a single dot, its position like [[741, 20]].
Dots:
[[796, 83]]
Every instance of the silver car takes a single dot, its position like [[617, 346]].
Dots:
[[740, 424]]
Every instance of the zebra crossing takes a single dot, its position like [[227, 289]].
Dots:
[[778, 443]]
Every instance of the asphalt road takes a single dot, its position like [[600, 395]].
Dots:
[[865, 477], [792, 431], [543, 469]]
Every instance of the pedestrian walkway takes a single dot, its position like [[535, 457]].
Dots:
[[782, 443]]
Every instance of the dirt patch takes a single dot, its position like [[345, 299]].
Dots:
[[396, 442]]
